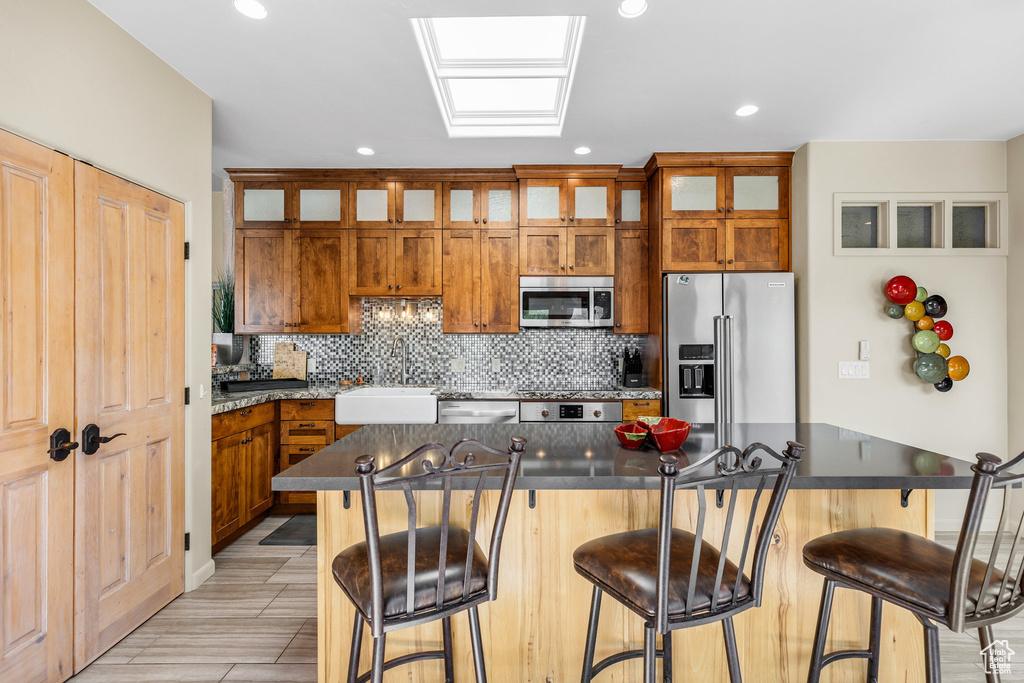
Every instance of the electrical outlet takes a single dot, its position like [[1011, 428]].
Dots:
[[495, 365], [854, 370], [458, 364], [311, 365]]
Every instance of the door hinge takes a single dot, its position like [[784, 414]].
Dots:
[[188, 395], [187, 249], [188, 541]]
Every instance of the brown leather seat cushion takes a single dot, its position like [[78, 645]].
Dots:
[[352, 570], [626, 565], [888, 563]]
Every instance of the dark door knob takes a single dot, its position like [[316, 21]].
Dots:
[[91, 439], [731, 261], [61, 444], [485, 220]]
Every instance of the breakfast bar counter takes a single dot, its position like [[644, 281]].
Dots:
[[577, 483]]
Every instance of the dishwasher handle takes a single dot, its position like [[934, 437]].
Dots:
[[469, 412]]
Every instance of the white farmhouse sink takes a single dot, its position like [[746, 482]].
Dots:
[[386, 405]]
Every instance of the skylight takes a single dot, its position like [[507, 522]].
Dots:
[[501, 76]]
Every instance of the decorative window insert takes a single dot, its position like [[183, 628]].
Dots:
[[920, 224]]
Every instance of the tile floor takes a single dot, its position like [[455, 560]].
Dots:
[[255, 620]]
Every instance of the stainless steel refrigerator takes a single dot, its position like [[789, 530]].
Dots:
[[730, 347]]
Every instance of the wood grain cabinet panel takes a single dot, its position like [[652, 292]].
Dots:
[[460, 256], [591, 202], [757, 192], [590, 251], [320, 204], [242, 419], [418, 262], [631, 282], [242, 464], [631, 205], [307, 409], [543, 202], [757, 244], [320, 281], [697, 192], [371, 256], [227, 466], [542, 251], [259, 463], [499, 281], [693, 245], [418, 205], [371, 205], [469, 205], [637, 407], [265, 205], [263, 280]]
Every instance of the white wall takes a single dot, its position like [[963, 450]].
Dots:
[[840, 302], [1015, 293], [217, 233], [73, 80]]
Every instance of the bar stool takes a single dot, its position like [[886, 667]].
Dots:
[[938, 585], [674, 579], [424, 574]]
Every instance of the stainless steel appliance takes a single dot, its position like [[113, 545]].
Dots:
[[570, 411], [566, 301], [730, 349], [478, 412]]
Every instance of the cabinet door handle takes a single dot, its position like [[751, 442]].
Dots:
[[485, 324], [618, 324], [641, 404], [311, 424], [389, 220], [721, 209], [307, 450], [307, 403], [485, 220], [570, 218], [561, 218], [399, 220], [618, 220], [245, 412], [571, 267], [399, 286], [721, 261], [476, 324], [391, 286], [729, 210], [477, 220], [562, 267], [731, 261]]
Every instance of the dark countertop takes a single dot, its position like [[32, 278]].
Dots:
[[226, 402], [588, 456]]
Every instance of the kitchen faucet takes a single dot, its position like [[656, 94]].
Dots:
[[405, 356]]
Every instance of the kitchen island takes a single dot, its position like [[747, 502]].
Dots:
[[577, 483]]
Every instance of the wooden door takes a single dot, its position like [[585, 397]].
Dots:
[[371, 205], [591, 202], [591, 251], [499, 281], [757, 192], [263, 281], [37, 396], [129, 349], [418, 205], [697, 192], [693, 245], [371, 262], [499, 205], [460, 206], [542, 202], [320, 281], [227, 467], [320, 204], [757, 244], [418, 262], [265, 205], [542, 251], [631, 286], [460, 258], [631, 205], [258, 469]]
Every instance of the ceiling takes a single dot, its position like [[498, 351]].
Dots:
[[318, 78]]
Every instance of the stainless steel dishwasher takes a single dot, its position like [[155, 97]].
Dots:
[[477, 412]]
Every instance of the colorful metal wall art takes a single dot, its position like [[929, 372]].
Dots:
[[930, 334]]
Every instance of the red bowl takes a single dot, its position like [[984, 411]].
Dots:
[[669, 433], [631, 436]]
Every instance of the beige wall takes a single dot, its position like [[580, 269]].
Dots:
[[840, 303], [1015, 293], [71, 79], [217, 233]]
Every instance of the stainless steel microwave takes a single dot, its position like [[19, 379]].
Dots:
[[566, 301]]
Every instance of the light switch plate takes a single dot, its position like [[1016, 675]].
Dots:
[[458, 364], [865, 350], [495, 365], [854, 370]]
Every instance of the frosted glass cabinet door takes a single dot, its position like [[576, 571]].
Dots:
[[263, 205], [461, 206], [757, 192], [591, 202], [500, 204], [631, 205], [542, 202], [693, 193], [372, 204], [324, 205], [418, 205]]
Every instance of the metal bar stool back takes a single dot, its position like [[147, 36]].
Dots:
[[424, 574], [675, 579], [938, 585]]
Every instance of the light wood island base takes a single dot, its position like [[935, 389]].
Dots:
[[534, 632]]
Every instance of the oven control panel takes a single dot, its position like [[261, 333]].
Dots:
[[570, 411]]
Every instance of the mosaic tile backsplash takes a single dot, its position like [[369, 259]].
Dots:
[[533, 359]]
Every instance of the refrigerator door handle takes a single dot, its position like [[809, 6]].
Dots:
[[728, 401], [719, 373]]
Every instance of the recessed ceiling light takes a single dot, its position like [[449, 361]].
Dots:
[[365, 151], [747, 110], [632, 9], [251, 8], [582, 150]]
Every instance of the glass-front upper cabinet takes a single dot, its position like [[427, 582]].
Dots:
[[468, 205], [321, 204], [591, 202], [631, 205], [371, 204], [697, 192], [543, 202], [757, 192], [418, 205], [264, 205]]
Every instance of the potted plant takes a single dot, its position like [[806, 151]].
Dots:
[[229, 345]]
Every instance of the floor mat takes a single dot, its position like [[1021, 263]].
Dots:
[[299, 530]]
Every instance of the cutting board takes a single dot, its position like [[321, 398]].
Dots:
[[288, 362]]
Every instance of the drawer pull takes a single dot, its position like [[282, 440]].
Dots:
[[245, 412], [308, 403], [311, 424], [307, 450], [641, 404]]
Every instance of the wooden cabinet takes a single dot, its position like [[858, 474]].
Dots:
[[585, 202], [631, 282], [543, 202], [696, 244], [275, 204], [631, 205], [319, 275], [726, 192], [591, 202], [481, 281], [757, 244], [242, 464], [413, 205], [263, 280], [394, 262], [566, 251], [320, 204], [542, 251], [307, 425], [637, 407], [468, 205]]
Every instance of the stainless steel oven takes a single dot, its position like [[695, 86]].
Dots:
[[566, 301]]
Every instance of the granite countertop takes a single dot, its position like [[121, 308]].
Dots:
[[588, 456], [222, 403]]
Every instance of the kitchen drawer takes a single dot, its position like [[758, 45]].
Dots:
[[242, 419], [295, 453], [634, 408], [307, 431], [307, 409], [344, 430]]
